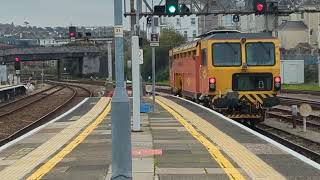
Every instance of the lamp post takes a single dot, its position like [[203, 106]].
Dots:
[[120, 114]]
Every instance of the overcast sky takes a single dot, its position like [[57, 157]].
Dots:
[[57, 12]]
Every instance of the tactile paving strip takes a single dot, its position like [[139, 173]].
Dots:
[[248, 161]]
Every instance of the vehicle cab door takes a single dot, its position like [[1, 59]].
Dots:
[[203, 74]]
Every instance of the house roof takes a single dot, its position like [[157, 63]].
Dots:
[[293, 25]]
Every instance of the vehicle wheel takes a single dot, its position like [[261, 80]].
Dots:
[[263, 116]]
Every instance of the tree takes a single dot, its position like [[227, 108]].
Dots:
[[26, 23], [169, 38]]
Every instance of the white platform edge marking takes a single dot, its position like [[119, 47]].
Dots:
[[282, 147], [5, 146]]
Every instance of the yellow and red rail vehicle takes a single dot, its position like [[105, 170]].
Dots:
[[237, 74]]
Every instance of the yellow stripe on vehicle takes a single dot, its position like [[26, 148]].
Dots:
[[250, 98], [44, 169], [258, 98], [264, 95], [223, 162]]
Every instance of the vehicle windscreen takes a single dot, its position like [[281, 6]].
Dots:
[[260, 54], [226, 54]]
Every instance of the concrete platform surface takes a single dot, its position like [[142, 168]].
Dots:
[[20, 159], [178, 141], [287, 165]]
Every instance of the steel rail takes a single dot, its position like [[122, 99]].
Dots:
[[26, 97], [37, 122], [266, 131], [31, 102]]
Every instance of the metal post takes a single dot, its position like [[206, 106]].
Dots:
[[109, 62], [304, 124], [153, 69], [120, 115], [139, 9], [136, 83], [132, 18], [59, 69], [276, 24], [266, 23], [319, 69], [294, 110], [136, 71], [42, 74]]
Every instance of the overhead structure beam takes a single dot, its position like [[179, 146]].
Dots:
[[209, 7], [148, 6]]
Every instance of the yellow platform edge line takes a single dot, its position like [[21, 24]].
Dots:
[[44, 169], [224, 163]]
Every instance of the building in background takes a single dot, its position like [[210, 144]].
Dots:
[[248, 23], [312, 25], [292, 33], [187, 26]]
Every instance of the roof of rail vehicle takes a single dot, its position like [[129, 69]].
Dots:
[[221, 36]]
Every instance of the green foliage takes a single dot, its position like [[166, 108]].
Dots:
[[169, 38], [309, 87]]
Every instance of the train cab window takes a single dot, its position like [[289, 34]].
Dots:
[[260, 54], [226, 54], [204, 57]]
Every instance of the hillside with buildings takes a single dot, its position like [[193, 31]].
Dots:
[[27, 35]]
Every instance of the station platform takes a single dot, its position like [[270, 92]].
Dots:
[[180, 140], [8, 92], [9, 87]]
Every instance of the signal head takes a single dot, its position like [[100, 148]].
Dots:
[[172, 9], [260, 7]]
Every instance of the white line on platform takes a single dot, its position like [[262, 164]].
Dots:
[[42, 126], [271, 141]]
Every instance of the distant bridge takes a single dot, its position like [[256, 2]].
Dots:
[[52, 53], [89, 58]]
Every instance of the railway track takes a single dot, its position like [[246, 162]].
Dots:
[[301, 145], [296, 101], [18, 104], [316, 93], [19, 118], [313, 121]]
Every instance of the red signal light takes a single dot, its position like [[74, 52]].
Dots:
[[212, 84], [260, 7], [212, 80], [17, 59], [277, 79], [72, 34]]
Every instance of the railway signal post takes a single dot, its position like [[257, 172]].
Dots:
[[120, 114], [318, 68], [154, 64], [17, 67], [109, 62]]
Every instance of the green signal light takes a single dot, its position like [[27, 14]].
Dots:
[[172, 9]]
